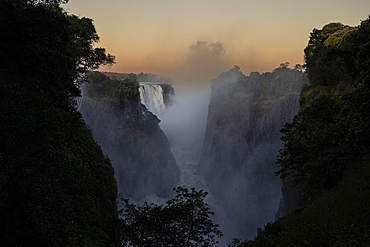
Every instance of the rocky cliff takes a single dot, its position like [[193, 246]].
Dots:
[[138, 149], [241, 142]]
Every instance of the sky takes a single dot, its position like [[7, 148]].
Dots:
[[198, 39]]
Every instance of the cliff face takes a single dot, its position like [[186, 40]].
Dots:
[[138, 149], [292, 198], [241, 143], [168, 93]]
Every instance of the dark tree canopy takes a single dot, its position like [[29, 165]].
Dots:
[[183, 221], [329, 135], [330, 55], [56, 186], [48, 48]]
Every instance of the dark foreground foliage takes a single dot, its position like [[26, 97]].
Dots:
[[183, 221], [56, 186]]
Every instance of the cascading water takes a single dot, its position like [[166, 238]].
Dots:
[[151, 95]]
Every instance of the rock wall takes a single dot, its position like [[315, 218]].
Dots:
[[137, 147], [241, 142], [293, 197]]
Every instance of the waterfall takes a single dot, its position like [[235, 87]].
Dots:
[[151, 95]]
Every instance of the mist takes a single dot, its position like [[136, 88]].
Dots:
[[225, 138], [203, 61], [220, 136], [184, 123]]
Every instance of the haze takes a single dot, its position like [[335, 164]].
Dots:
[[165, 36]]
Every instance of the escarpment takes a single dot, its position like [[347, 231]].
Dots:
[[242, 141], [130, 136]]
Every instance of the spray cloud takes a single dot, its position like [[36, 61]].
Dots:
[[203, 62]]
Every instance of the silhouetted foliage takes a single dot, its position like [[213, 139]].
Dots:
[[330, 55], [313, 151], [56, 186], [183, 221], [324, 139]]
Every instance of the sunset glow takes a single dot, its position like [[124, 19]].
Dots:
[[157, 36]]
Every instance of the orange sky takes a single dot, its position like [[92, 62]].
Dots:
[[205, 37]]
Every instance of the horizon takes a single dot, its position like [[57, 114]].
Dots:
[[197, 40]]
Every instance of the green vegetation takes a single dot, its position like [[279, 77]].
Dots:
[[326, 147], [314, 152], [338, 217], [119, 93], [56, 186], [183, 221], [323, 140], [58, 189]]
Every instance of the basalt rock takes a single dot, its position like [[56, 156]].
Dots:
[[242, 141], [138, 149]]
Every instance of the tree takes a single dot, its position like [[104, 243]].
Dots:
[[56, 186], [282, 67], [119, 93], [313, 151], [326, 146], [330, 55], [183, 221], [331, 130]]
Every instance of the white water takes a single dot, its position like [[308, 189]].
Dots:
[[151, 95]]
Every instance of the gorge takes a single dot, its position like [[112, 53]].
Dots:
[[224, 140], [91, 158]]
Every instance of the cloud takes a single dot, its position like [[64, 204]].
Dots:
[[203, 62]]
